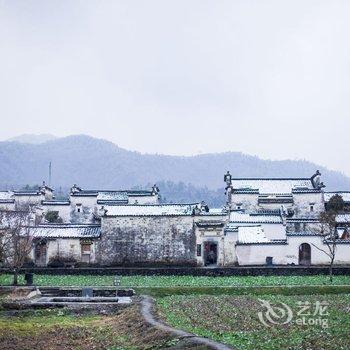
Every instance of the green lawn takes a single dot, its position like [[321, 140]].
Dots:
[[234, 320], [179, 281]]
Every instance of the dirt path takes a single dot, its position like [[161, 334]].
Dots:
[[147, 304]]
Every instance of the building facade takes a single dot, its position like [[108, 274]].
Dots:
[[264, 221]]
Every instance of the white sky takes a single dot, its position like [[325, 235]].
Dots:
[[270, 78]]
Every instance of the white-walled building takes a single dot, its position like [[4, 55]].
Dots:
[[264, 221], [68, 243], [302, 197]]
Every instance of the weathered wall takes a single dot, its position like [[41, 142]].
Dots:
[[302, 203], [225, 246], [82, 209], [65, 248], [7, 206], [143, 199], [304, 226], [64, 211], [26, 200], [146, 240], [247, 201]]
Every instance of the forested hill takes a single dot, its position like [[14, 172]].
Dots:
[[97, 163]]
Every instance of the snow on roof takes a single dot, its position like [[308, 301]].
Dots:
[[215, 212], [112, 196], [6, 197], [27, 193], [140, 193], [303, 219], [104, 195], [343, 218], [56, 202], [345, 195], [241, 217], [150, 210], [251, 234], [6, 194], [272, 185], [65, 231]]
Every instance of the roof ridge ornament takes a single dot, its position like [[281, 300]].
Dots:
[[75, 189], [155, 189], [316, 180], [228, 189]]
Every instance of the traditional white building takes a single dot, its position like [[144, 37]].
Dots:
[[264, 221], [299, 197], [12, 200], [66, 243]]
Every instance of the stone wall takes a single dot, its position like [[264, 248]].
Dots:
[[144, 240]]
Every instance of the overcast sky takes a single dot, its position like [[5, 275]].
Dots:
[[269, 78]]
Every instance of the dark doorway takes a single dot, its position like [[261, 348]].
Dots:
[[210, 253], [40, 254], [305, 254]]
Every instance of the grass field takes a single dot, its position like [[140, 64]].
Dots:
[[178, 281], [222, 308], [60, 329], [234, 320]]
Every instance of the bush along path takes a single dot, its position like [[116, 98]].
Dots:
[[147, 305]]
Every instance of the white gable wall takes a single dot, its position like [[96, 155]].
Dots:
[[302, 202]]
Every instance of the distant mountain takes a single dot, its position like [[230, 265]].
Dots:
[[33, 139], [96, 163]]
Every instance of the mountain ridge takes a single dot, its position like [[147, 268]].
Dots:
[[94, 162], [32, 138]]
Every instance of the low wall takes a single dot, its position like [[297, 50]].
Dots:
[[191, 271]]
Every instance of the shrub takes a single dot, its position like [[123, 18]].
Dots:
[[53, 217], [61, 261]]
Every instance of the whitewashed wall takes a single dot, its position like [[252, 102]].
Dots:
[[143, 199], [302, 203], [66, 248], [255, 254], [64, 211]]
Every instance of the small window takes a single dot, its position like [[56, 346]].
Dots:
[[311, 207], [78, 207], [199, 250]]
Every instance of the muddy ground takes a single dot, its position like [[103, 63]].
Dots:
[[84, 329]]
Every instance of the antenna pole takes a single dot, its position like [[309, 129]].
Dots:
[[50, 168]]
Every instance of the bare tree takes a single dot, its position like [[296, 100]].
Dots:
[[15, 240], [328, 230]]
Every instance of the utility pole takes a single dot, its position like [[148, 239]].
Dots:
[[50, 168]]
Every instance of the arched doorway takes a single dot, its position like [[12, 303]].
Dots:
[[305, 254], [40, 253]]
